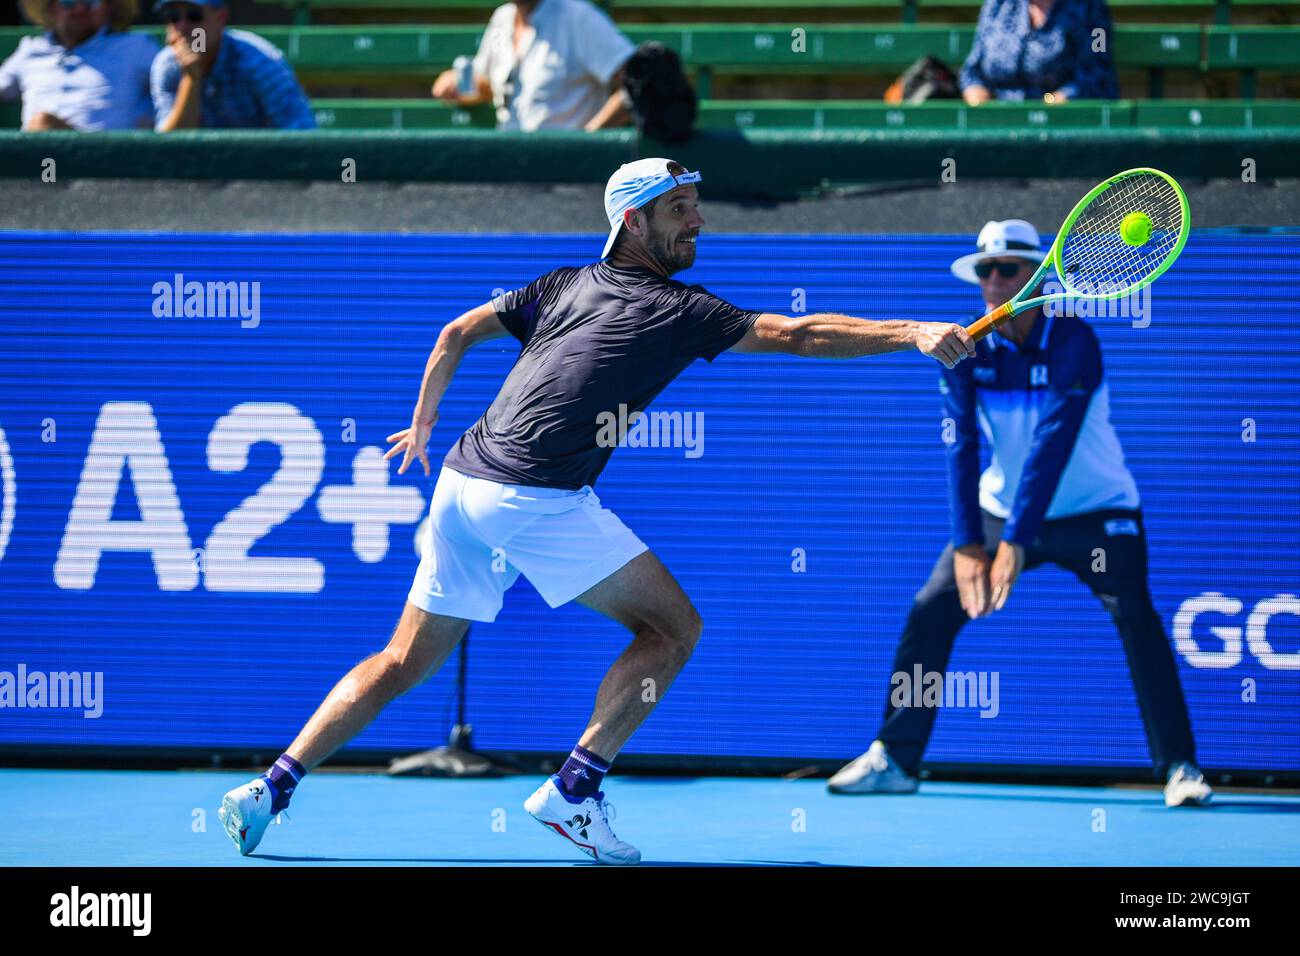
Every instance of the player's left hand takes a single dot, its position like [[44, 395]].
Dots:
[[1007, 565]]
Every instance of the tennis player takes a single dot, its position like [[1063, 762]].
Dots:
[[518, 485], [1057, 491]]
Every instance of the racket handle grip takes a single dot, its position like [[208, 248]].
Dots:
[[984, 326]]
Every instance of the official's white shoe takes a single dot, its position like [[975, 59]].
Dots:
[[246, 813], [584, 824], [874, 772], [1186, 787]]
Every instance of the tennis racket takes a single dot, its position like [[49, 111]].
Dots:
[[1118, 239]]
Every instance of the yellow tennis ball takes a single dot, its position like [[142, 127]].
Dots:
[[1135, 230]]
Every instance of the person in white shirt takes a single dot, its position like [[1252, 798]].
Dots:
[[547, 64], [87, 71]]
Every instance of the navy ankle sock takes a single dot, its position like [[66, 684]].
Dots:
[[284, 775], [582, 773]]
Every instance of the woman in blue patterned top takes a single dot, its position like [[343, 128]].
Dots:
[[1041, 49]]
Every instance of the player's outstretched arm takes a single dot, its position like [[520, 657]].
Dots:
[[831, 335], [457, 336]]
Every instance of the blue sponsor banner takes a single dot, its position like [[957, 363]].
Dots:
[[199, 536]]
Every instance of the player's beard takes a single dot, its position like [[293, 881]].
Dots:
[[671, 256]]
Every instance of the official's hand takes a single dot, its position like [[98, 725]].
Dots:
[[1007, 565], [944, 342], [412, 441], [976, 95], [971, 569]]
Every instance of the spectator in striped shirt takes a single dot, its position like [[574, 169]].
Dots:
[[1048, 50], [212, 78]]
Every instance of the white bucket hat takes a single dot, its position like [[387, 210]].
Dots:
[[1010, 237], [635, 184]]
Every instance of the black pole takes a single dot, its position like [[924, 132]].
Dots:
[[462, 677]]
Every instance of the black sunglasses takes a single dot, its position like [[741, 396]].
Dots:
[[185, 14], [1005, 269]]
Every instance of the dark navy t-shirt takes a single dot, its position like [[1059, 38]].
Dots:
[[594, 338]]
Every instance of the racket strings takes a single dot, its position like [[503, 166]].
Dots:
[[1094, 256], [1101, 255]]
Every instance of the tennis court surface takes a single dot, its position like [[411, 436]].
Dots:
[[146, 818]]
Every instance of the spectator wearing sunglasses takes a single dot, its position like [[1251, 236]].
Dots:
[[547, 64], [212, 78], [1057, 491], [1046, 50], [85, 72]]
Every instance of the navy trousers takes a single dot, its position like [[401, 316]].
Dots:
[[937, 616]]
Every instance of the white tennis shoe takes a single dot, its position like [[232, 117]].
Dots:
[[1186, 787], [246, 813], [874, 772], [584, 824]]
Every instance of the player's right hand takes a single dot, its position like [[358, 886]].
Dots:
[[944, 342], [413, 442], [971, 565]]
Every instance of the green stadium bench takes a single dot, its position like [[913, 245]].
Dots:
[[356, 113], [858, 114], [377, 49], [742, 48], [419, 114], [302, 9], [758, 114], [1156, 49], [749, 48], [873, 114], [1218, 114], [1249, 49]]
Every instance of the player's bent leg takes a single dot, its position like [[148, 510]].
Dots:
[[645, 598], [419, 645]]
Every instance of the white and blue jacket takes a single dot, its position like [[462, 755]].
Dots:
[[1045, 408]]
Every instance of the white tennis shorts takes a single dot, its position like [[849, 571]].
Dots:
[[483, 533]]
